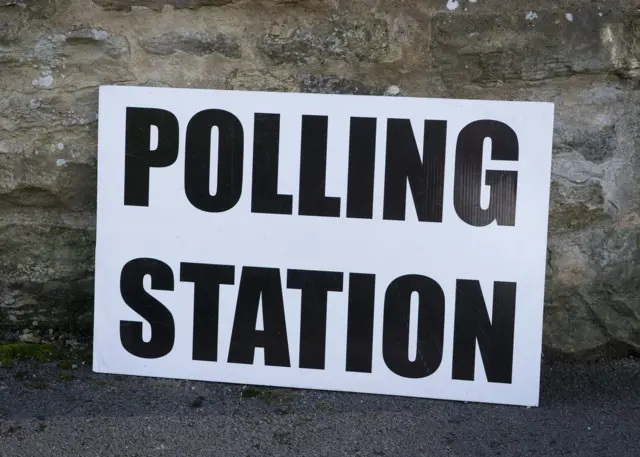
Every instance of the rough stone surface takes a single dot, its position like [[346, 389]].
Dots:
[[193, 44], [338, 39], [583, 55], [158, 4], [330, 84], [489, 48]]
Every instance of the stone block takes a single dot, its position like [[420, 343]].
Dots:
[[194, 43], [592, 300], [336, 39], [45, 182], [489, 48]]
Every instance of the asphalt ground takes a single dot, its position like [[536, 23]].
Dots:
[[586, 410]]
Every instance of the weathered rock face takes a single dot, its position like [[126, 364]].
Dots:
[[582, 55]]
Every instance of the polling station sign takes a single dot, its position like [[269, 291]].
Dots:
[[386, 245]]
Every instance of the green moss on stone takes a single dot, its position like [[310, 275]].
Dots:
[[66, 376], [251, 392], [268, 396], [322, 406], [65, 365], [14, 352], [280, 396]]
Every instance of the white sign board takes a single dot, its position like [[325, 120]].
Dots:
[[351, 243]]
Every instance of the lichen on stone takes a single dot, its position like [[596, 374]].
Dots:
[[575, 207]]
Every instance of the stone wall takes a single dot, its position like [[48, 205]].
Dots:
[[582, 55]]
